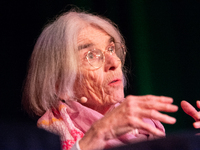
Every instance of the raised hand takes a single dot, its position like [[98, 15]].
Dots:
[[129, 116]]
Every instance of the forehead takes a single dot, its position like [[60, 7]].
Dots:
[[93, 35]]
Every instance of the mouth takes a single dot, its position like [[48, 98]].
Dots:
[[115, 81]]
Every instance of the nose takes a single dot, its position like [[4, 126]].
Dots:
[[112, 62]]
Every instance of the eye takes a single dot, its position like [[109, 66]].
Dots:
[[94, 55], [111, 49], [90, 55]]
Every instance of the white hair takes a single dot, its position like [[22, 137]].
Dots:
[[54, 63]]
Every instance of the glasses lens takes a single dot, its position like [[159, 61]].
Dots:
[[95, 58], [120, 52]]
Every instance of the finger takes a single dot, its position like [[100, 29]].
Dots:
[[153, 114], [163, 99], [196, 124], [121, 130], [140, 124], [159, 106], [198, 104], [189, 109], [146, 98]]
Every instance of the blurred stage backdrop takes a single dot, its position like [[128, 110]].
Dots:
[[163, 40]]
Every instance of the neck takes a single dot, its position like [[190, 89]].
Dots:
[[101, 109]]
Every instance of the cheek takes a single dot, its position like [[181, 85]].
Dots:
[[93, 80]]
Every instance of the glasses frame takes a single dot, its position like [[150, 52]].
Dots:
[[107, 50]]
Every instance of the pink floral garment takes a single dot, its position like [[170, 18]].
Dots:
[[71, 120]]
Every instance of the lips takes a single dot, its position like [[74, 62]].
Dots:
[[115, 81]]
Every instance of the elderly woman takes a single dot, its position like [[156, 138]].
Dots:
[[75, 83]]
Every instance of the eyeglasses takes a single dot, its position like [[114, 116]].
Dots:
[[96, 57]]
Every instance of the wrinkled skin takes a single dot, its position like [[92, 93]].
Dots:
[[96, 85], [102, 94]]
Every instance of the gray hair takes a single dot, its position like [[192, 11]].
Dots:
[[54, 65]]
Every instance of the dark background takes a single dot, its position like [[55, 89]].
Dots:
[[162, 37]]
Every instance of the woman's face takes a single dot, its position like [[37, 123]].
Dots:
[[102, 87]]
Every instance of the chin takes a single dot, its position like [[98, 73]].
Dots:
[[118, 98]]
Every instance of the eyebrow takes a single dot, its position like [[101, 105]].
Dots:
[[111, 39], [83, 46]]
